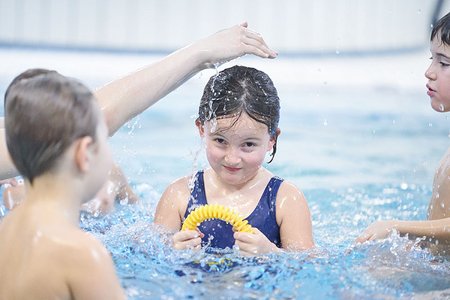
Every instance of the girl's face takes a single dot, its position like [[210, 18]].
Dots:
[[236, 148], [438, 74]]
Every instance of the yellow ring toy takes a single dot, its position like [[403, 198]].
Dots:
[[216, 211]]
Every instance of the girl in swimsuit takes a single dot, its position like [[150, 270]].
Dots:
[[238, 120]]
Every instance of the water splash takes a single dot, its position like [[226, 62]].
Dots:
[[133, 124]]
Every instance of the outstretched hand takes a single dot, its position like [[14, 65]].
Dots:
[[255, 243], [231, 43], [377, 230]]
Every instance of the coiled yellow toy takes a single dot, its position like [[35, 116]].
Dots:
[[216, 211]]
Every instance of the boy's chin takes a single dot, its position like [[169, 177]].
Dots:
[[439, 107]]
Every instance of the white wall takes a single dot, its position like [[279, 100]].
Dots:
[[319, 26]]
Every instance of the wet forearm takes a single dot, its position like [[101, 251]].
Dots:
[[436, 229], [127, 97]]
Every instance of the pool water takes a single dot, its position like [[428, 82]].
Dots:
[[358, 155]]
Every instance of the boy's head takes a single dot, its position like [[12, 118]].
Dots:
[[441, 30], [45, 113], [438, 73], [238, 90]]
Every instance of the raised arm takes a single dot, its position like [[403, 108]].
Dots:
[[127, 97], [124, 98]]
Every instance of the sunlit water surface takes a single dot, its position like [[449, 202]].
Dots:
[[359, 155]]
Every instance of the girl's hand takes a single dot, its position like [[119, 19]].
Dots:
[[255, 243], [377, 230], [187, 239], [231, 43]]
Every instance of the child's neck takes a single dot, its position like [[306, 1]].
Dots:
[[56, 194]]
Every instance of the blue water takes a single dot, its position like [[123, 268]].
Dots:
[[359, 155]]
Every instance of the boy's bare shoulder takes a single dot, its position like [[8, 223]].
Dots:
[[84, 248], [445, 162]]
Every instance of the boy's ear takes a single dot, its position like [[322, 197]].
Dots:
[[201, 128], [83, 153]]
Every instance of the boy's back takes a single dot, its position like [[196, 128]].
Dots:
[[36, 239]]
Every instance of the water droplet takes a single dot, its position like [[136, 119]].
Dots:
[[325, 122], [338, 52], [441, 107], [403, 185]]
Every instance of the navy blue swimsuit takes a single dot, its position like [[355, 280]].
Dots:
[[219, 234]]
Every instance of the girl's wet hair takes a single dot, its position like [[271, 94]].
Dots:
[[442, 27], [45, 113], [242, 89]]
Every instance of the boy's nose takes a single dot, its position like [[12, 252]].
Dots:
[[430, 74]]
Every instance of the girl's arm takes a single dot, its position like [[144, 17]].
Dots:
[[125, 98], [434, 229], [169, 214], [294, 218], [172, 205]]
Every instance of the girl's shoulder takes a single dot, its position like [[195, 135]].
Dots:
[[289, 190], [180, 185]]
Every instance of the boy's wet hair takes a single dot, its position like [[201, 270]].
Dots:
[[442, 27], [45, 113], [242, 89]]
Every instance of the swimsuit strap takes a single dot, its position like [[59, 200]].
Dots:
[[197, 196]]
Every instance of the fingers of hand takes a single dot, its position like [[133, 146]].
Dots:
[[255, 44], [362, 238], [187, 239], [244, 24]]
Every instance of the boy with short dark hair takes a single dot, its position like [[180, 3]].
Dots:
[[57, 138]]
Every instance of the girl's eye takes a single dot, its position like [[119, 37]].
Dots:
[[219, 140], [249, 144], [444, 64]]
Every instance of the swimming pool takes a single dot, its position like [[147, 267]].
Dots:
[[358, 154]]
